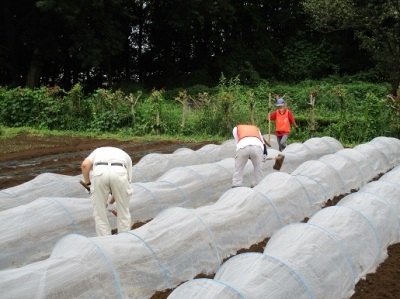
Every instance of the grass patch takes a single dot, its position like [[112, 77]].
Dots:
[[6, 132]]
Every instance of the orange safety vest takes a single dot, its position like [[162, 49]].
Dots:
[[247, 131], [282, 122]]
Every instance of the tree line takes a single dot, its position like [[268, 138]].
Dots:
[[180, 43]]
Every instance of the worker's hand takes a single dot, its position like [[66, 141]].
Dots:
[[111, 207], [85, 185], [264, 158]]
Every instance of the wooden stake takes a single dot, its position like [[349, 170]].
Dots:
[[269, 121], [312, 103]]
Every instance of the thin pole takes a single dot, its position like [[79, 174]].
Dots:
[[269, 120]]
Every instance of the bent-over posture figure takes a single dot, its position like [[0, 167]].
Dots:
[[109, 170], [249, 145]]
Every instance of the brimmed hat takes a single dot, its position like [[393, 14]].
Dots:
[[280, 102]]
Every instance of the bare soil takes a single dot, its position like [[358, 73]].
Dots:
[[24, 156]]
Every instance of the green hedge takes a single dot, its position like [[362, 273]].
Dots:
[[351, 112]]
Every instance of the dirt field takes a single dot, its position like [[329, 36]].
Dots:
[[24, 157]]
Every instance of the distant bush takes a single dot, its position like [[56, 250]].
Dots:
[[351, 112]]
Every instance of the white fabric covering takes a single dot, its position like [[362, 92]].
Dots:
[[181, 242], [189, 187]]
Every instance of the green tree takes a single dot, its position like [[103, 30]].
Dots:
[[305, 59], [25, 36], [376, 23], [166, 44], [97, 31]]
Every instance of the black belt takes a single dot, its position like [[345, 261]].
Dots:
[[112, 164]]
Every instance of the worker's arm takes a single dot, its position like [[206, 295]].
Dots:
[[87, 165], [235, 135], [272, 116], [260, 136], [292, 119]]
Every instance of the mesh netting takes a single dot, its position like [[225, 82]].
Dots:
[[326, 256], [184, 241], [149, 168], [48, 219]]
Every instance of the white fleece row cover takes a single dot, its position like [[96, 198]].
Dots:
[[31, 230], [180, 243], [149, 168], [323, 258]]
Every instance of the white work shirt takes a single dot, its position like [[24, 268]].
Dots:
[[246, 141], [110, 154]]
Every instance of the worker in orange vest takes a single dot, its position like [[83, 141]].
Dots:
[[250, 144], [283, 118]]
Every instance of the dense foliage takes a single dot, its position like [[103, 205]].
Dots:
[[169, 44], [156, 67], [375, 23], [352, 112]]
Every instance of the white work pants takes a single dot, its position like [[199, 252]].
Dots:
[[254, 153], [114, 179]]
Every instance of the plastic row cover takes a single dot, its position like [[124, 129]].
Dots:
[[198, 185], [153, 165], [149, 168], [31, 230], [321, 259], [175, 246]]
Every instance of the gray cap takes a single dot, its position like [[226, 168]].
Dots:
[[280, 102]]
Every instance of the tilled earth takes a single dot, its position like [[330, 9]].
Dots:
[[23, 157]]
